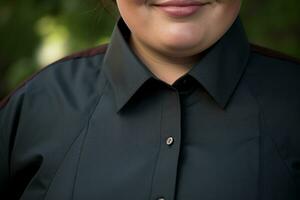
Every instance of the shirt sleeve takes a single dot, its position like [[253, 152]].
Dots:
[[10, 110]]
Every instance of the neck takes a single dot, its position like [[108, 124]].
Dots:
[[164, 67]]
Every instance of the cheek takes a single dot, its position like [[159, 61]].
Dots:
[[139, 2], [132, 9], [228, 1], [135, 13], [232, 4], [129, 3]]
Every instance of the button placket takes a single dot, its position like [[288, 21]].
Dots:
[[185, 85], [165, 174]]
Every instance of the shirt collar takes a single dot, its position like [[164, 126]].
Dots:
[[218, 71]]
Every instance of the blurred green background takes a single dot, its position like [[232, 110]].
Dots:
[[34, 33]]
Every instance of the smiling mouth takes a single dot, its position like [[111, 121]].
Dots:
[[180, 8]]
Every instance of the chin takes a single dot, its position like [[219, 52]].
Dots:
[[180, 50], [182, 45], [182, 39]]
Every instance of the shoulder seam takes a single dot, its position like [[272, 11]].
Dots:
[[101, 49], [273, 53], [85, 53]]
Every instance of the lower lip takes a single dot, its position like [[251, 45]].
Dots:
[[180, 11]]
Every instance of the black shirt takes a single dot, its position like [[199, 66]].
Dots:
[[100, 125]]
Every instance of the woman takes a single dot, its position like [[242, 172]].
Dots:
[[177, 106]]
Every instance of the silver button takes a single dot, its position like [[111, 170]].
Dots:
[[161, 198], [170, 141]]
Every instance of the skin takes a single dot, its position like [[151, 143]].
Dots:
[[169, 46]]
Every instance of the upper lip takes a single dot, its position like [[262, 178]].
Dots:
[[180, 3]]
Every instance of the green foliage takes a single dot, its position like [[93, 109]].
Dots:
[[34, 33], [274, 24]]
